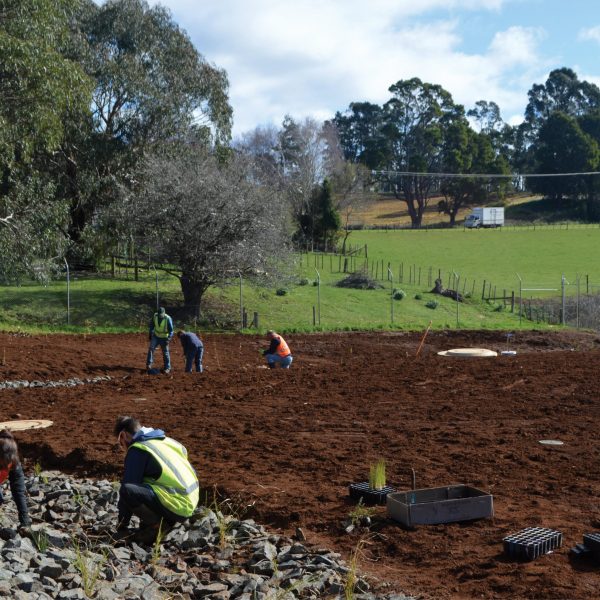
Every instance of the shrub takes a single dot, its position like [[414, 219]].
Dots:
[[433, 304], [281, 292], [399, 294], [359, 280], [418, 297], [303, 281], [315, 283]]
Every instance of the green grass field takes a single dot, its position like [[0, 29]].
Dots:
[[540, 256]]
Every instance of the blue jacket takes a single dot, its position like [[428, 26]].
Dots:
[[190, 342]]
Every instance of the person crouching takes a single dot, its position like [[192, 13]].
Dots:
[[159, 484], [11, 469], [278, 351]]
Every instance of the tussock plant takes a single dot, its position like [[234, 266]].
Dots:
[[89, 565], [377, 475], [352, 575], [40, 539], [156, 547]]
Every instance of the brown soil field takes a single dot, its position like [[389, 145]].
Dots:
[[290, 442]]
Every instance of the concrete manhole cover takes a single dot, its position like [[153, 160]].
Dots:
[[468, 353], [551, 442], [25, 424]]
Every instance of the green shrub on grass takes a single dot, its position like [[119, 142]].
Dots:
[[433, 304], [399, 294], [418, 297], [281, 291]]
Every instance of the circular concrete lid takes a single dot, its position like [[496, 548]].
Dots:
[[551, 442], [468, 353], [25, 424]]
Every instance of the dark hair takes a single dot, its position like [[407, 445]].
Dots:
[[8, 448], [128, 424]]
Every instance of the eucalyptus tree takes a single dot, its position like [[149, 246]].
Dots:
[[37, 86], [563, 147], [207, 220], [151, 86], [416, 118]]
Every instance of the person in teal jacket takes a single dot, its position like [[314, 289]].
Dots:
[[160, 334]]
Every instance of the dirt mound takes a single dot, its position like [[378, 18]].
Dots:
[[290, 442]]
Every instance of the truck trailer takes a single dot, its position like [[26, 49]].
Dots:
[[487, 216]]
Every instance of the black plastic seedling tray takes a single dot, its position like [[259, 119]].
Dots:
[[532, 542], [368, 494]]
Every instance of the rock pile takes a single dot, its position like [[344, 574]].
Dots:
[[69, 554], [71, 382]]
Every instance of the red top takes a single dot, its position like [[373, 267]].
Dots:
[[4, 473]]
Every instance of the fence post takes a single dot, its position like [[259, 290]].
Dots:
[[255, 320], [562, 283], [483, 291], [512, 302]]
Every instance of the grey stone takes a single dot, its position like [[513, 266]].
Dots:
[[74, 594], [49, 568], [200, 590]]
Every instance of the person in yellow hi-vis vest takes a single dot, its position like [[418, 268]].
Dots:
[[160, 334], [159, 484]]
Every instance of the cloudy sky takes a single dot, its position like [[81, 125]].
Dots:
[[314, 57]]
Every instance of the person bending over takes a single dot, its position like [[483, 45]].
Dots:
[[193, 349]]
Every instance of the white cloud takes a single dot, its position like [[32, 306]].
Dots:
[[313, 57], [590, 34]]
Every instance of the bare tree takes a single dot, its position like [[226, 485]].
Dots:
[[208, 219], [349, 180]]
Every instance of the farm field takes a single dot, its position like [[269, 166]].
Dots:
[[289, 442], [539, 255]]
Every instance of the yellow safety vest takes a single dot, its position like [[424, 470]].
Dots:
[[177, 487], [161, 330]]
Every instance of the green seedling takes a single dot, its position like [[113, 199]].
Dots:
[[40, 539], [377, 475], [360, 511], [352, 575], [89, 565], [156, 547], [377, 478]]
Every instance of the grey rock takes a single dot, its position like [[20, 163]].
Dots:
[[49, 568], [200, 591]]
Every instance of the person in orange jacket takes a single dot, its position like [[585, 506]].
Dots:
[[278, 351]]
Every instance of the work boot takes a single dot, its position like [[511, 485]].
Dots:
[[167, 371]]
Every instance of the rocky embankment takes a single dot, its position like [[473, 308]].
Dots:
[[68, 553]]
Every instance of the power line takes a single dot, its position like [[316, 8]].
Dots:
[[482, 175]]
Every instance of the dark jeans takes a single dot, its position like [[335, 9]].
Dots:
[[140, 499], [194, 356]]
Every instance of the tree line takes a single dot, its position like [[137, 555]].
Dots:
[[116, 131]]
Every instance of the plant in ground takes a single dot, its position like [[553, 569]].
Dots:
[[433, 304], [156, 547], [40, 539], [89, 565], [377, 475], [360, 512], [399, 294], [352, 575]]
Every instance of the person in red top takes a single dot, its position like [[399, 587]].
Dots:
[[278, 351], [10, 468]]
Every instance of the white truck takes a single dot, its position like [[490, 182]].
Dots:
[[487, 216]]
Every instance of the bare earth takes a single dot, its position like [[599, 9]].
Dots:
[[292, 441]]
